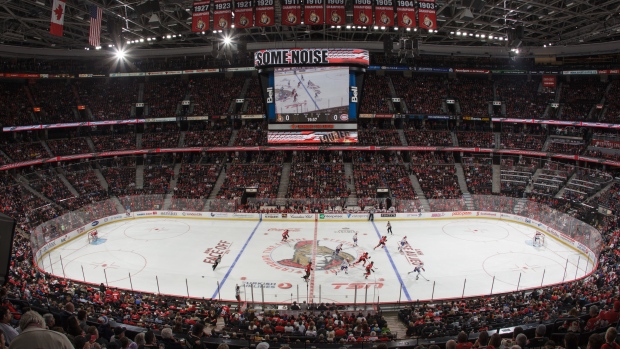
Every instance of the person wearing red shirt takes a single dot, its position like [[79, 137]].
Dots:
[[369, 269], [285, 235], [462, 341], [381, 242]]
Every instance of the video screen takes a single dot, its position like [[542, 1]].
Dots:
[[311, 94], [311, 137]]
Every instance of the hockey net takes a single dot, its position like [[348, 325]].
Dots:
[[539, 240]]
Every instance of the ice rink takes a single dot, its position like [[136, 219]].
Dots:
[[462, 257], [315, 89]]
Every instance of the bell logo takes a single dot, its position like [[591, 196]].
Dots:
[[270, 95], [353, 94]]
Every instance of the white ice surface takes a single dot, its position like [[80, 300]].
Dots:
[[461, 257]]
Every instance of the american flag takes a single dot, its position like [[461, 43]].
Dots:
[[95, 26]]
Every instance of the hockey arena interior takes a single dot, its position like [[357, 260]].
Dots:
[[254, 174]]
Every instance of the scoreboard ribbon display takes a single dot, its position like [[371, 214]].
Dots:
[[335, 12], [384, 13], [244, 14], [316, 56], [405, 13], [200, 16], [314, 12], [362, 12], [265, 13], [291, 12], [427, 15], [222, 14]]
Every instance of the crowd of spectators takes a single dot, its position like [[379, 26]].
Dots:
[[611, 110], [566, 146], [476, 139], [120, 174], [473, 94], [532, 138], [195, 183], [425, 138], [380, 171], [376, 94], [109, 99], [262, 176], [164, 135], [207, 134], [68, 146], [437, 176], [478, 175], [212, 94], [57, 100], [24, 151], [113, 142], [317, 176], [254, 97], [579, 96], [252, 134], [423, 94], [162, 96], [378, 133], [49, 184], [16, 108], [522, 97], [157, 179]]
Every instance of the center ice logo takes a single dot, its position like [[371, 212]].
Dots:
[[296, 255]]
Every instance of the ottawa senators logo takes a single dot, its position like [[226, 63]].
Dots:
[[223, 23], [325, 259], [363, 18], [428, 22], [314, 18], [406, 20], [200, 25], [264, 19], [291, 18], [243, 21], [385, 19], [336, 17]]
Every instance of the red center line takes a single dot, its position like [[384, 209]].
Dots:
[[314, 243]]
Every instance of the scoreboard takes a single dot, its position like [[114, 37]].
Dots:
[[312, 95]]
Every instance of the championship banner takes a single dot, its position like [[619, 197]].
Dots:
[[291, 12], [335, 12], [222, 14], [384, 13], [314, 12], [310, 56], [244, 14], [200, 16], [549, 81], [362, 12], [265, 13], [405, 13], [427, 15]]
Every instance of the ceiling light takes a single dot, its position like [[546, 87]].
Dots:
[[408, 29], [227, 40], [168, 36], [120, 54], [376, 27], [141, 40], [348, 27], [482, 36]]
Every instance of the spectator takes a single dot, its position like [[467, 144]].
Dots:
[[168, 339], [34, 334], [5, 325]]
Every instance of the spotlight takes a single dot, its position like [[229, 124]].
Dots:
[[227, 40], [120, 54]]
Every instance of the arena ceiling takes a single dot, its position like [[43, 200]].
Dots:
[[530, 23]]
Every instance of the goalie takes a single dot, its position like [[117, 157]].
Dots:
[[93, 236], [539, 239]]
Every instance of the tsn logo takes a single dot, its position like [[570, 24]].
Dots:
[[356, 285]]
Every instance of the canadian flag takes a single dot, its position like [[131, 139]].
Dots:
[[58, 17]]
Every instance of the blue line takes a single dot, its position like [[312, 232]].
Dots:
[[402, 285], [309, 95], [238, 255]]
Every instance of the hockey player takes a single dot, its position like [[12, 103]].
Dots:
[[369, 269], [217, 261], [238, 293], [308, 270], [344, 266], [402, 244], [362, 258], [389, 228], [418, 269], [355, 239], [337, 251], [285, 235], [381, 242], [538, 238]]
